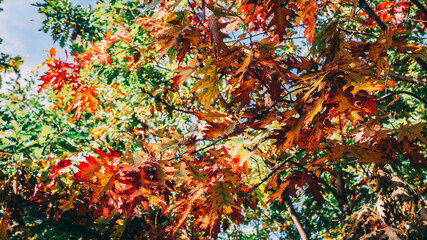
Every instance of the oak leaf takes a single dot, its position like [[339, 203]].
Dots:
[[222, 197], [59, 168], [412, 131], [68, 204], [87, 169], [281, 19], [359, 81], [365, 154], [182, 175], [308, 16], [105, 182], [206, 88], [299, 180], [216, 34]]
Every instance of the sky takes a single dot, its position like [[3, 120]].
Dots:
[[19, 28]]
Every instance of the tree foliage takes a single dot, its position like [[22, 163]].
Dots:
[[222, 119]]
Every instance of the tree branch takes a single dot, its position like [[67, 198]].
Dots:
[[407, 79], [295, 218], [282, 99], [399, 77], [342, 196], [404, 92], [357, 32], [259, 78], [420, 6], [207, 146], [133, 47], [371, 13]]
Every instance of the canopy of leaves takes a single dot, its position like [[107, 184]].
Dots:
[[205, 119]]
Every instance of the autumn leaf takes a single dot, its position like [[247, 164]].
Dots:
[[308, 16], [281, 19], [4, 223], [314, 109], [288, 136], [194, 195], [210, 115], [182, 175], [244, 67], [414, 154], [85, 98], [100, 174], [105, 182], [197, 173], [59, 168], [360, 82], [87, 169], [411, 131], [365, 154], [206, 88], [222, 197], [138, 197], [299, 180], [345, 105], [184, 74], [135, 160], [67, 204], [165, 172], [277, 193], [216, 34], [265, 48]]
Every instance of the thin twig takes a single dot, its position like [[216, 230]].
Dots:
[[275, 169], [132, 47], [404, 92], [168, 106], [282, 99]]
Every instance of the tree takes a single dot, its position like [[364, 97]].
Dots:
[[196, 136]]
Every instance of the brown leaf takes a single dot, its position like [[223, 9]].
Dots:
[[411, 131], [280, 20], [216, 34]]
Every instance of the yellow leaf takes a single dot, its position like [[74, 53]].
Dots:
[[182, 175], [134, 160], [222, 197], [360, 81], [206, 89], [68, 204]]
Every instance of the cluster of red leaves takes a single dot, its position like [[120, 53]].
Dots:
[[116, 187], [389, 11], [67, 76]]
